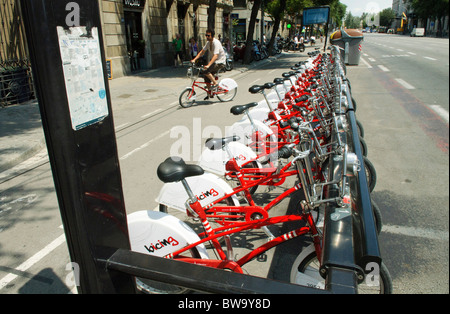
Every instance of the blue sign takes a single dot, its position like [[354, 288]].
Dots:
[[316, 15]]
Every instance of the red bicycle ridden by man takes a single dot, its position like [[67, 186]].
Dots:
[[225, 90]]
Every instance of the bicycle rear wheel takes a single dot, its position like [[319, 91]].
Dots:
[[226, 95], [187, 97], [148, 286], [371, 173], [305, 271]]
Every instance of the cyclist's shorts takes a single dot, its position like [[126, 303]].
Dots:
[[214, 68]]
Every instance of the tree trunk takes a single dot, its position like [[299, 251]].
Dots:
[[276, 26], [212, 14], [251, 30]]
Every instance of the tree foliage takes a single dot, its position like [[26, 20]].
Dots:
[[287, 11], [212, 14], [433, 9], [276, 10], [352, 21], [387, 16], [251, 29]]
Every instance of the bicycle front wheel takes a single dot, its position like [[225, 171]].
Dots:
[[224, 95], [187, 97]]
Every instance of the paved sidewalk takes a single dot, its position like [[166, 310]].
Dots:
[[21, 133]]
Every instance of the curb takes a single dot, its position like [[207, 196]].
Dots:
[[30, 152]]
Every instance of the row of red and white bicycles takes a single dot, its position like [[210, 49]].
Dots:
[[291, 132]]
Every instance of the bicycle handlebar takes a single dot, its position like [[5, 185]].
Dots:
[[193, 65]]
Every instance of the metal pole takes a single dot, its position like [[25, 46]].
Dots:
[[66, 49]]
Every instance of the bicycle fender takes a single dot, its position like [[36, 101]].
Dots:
[[244, 130], [228, 84], [303, 279], [215, 160], [281, 89], [256, 113], [262, 104], [207, 188], [159, 234]]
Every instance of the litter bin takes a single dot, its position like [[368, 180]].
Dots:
[[350, 42]]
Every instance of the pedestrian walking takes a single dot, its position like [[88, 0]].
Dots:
[[178, 46], [193, 48]]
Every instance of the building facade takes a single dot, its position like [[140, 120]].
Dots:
[[138, 34], [406, 20], [16, 83]]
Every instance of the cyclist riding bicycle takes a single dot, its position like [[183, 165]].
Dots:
[[217, 58]]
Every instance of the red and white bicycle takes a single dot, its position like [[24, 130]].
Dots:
[[226, 90]]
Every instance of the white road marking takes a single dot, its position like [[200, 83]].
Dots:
[[383, 68], [366, 63], [440, 112], [38, 159], [33, 260], [412, 53], [372, 60], [144, 145], [151, 113], [429, 58], [405, 84], [254, 82]]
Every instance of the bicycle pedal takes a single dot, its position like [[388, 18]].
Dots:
[[268, 233]]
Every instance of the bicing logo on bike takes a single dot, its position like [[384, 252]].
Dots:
[[206, 194], [170, 241], [240, 158]]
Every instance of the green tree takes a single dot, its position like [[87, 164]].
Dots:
[[276, 9], [363, 19], [294, 8], [352, 21], [251, 30], [436, 9], [212, 14], [387, 16], [338, 10]]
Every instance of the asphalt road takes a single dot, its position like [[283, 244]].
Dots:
[[401, 88], [406, 140]]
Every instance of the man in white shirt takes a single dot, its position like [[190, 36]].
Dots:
[[217, 57]]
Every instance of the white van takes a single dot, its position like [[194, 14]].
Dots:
[[418, 32]]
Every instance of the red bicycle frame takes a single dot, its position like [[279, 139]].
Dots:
[[206, 86], [235, 227]]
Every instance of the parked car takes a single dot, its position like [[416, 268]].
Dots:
[[417, 32]]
